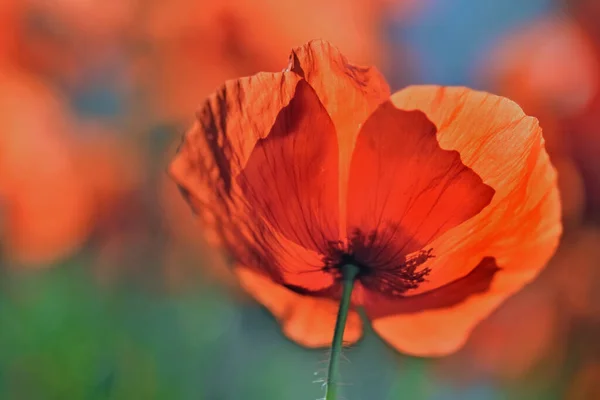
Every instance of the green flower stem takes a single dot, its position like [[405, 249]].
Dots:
[[349, 273]]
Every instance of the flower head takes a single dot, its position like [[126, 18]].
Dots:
[[443, 198]]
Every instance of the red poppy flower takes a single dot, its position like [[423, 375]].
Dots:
[[443, 198]]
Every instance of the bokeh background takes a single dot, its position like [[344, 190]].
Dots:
[[108, 292]]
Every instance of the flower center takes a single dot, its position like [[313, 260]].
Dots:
[[381, 267]]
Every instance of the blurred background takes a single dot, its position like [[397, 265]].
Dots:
[[108, 292]]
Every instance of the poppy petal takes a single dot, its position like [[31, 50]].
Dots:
[[217, 147], [307, 320], [290, 181], [350, 93], [260, 167], [406, 189], [291, 176], [519, 229]]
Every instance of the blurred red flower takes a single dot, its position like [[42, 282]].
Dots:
[[444, 198], [65, 39], [112, 168], [519, 66], [513, 340], [61, 179], [564, 97], [198, 45], [46, 207], [575, 276]]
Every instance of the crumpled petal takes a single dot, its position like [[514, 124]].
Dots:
[[350, 93], [216, 149]]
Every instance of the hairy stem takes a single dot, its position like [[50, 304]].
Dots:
[[349, 273]]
